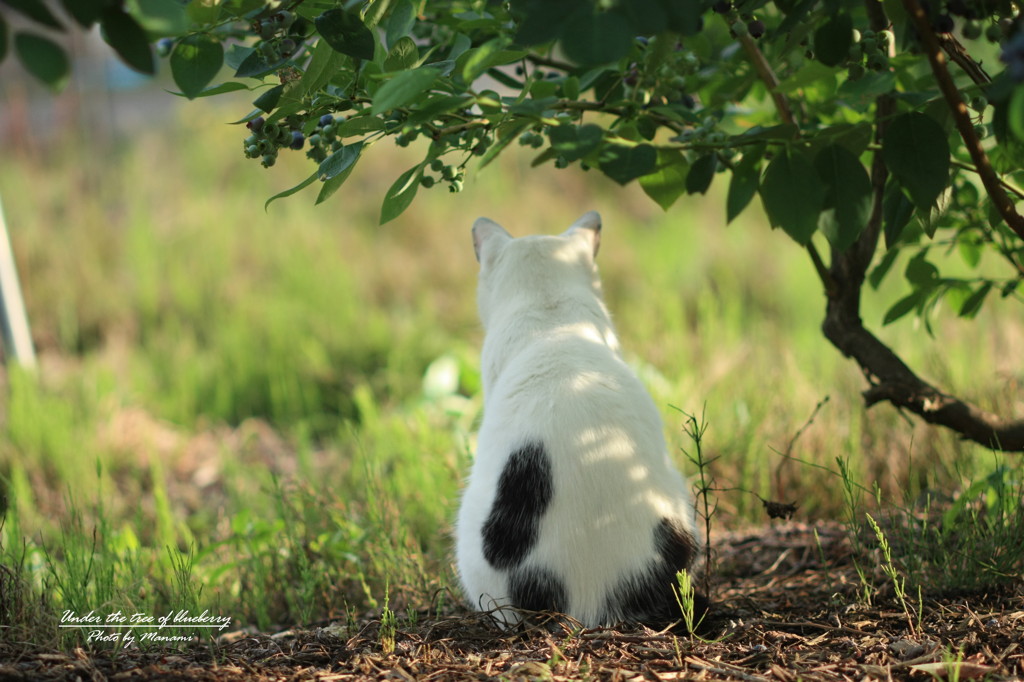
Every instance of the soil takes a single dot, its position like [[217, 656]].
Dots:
[[789, 605]]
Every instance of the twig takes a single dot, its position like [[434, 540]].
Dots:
[[788, 453]]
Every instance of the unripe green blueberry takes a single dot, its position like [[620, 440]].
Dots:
[[448, 173], [855, 72], [271, 130], [455, 186], [993, 33], [327, 130], [856, 36], [878, 62], [739, 28], [427, 181], [979, 103], [981, 130], [971, 30], [284, 18], [437, 165], [252, 151], [267, 30], [251, 140], [314, 140], [269, 160]]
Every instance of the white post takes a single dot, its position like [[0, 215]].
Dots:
[[13, 320]]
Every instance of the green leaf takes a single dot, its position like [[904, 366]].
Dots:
[[903, 306], [920, 271], [793, 195], [359, 125], [288, 192], [401, 194], [973, 303], [597, 38], [474, 62], [847, 195], [702, 172], [332, 184], [195, 61], [85, 12], [573, 142], [256, 65], [742, 189], [323, 65], [227, 86], [624, 164], [668, 182], [879, 272], [128, 39], [43, 58], [684, 16], [540, 21], [832, 41], [346, 33], [267, 102], [403, 55], [340, 161], [404, 88], [1015, 112], [400, 22], [916, 151], [162, 17], [37, 11], [896, 213]]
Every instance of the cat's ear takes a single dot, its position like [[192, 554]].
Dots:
[[588, 227], [487, 235]]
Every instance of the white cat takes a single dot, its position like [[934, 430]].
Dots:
[[572, 504]]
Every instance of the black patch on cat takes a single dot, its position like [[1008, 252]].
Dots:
[[536, 589], [648, 596], [524, 492]]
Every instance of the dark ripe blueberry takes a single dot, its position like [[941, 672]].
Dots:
[[298, 139], [944, 24], [256, 124], [287, 46], [756, 28], [722, 6], [688, 101], [326, 120]]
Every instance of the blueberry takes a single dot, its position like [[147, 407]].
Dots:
[[314, 140], [298, 139], [269, 160], [944, 24], [256, 124], [164, 46], [756, 28], [326, 120]]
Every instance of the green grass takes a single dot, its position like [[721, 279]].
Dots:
[[234, 412]]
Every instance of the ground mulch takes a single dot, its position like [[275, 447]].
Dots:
[[789, 606]]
